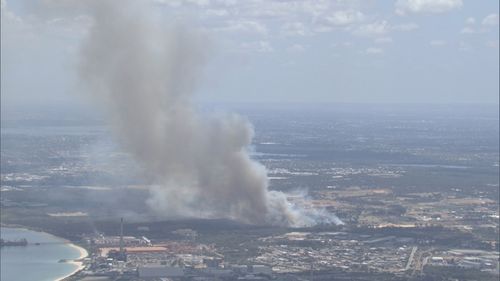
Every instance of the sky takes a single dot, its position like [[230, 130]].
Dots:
[[404, 51]]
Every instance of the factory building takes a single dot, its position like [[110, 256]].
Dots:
[[151, 272]]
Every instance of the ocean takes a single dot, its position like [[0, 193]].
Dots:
[[35, 262]]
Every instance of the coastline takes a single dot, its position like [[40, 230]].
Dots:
[[77, 261]]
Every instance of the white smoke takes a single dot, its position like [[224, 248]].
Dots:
[[143, 74]]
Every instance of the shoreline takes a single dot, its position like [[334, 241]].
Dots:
[[83, 253], [77, 261]]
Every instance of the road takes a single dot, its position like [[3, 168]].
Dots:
[[410, 259]]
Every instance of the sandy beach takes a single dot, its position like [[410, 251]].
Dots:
[[77, 261]]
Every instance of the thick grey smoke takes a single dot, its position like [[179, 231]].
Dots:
[[143, 73]]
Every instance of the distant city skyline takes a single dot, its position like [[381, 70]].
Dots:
[[441, 51]]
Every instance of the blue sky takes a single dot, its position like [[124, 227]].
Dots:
[[404, 51]]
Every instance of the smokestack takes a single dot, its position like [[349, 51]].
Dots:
[[121, 237]]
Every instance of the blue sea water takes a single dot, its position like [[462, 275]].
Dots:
[[35, 262]]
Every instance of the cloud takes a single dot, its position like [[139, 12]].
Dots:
[[321, 28], [216, 12], [383, 40], [426, 6], [406, 27], [294, 29], [171, 3], [374, 51], [8, 15], [334, 18], [471, 28], [199, 2], [296, 48], [467, 30], [437, 43], [470, 20], [178, 3], [257, 46], [227, 3], [317, 16], [345, 17], [245, 26], [380, 28], [490, 20], [373, 29], [344, 44]]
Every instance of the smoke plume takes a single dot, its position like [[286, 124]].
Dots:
[[143, 72]]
